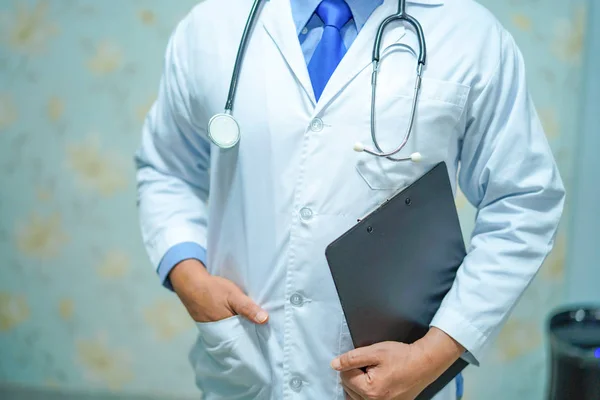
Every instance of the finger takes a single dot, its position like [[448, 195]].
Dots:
[[357, 358], [354, 380], [244, 306]]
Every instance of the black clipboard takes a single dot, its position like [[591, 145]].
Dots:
[[394, 267]]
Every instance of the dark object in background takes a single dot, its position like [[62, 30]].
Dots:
[[575, 354]]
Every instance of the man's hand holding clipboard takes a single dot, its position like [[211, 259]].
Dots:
[[394, 370]]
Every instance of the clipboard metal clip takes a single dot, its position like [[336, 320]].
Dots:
[[387, 200]]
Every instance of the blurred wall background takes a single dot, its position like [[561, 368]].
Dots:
[[80, 306]]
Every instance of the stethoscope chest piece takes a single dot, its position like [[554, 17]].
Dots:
[[224, 131]]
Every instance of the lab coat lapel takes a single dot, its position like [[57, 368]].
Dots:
[[360, 53], [279, 24]]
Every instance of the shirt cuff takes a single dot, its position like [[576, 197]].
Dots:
[[458, 328], [177, 254]]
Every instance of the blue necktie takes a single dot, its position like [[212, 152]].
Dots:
[[331, 49]]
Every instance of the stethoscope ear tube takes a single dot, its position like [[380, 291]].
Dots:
[[420, 37], [421, 59]]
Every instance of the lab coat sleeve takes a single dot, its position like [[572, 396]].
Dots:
[[172, 163], [508, 172]]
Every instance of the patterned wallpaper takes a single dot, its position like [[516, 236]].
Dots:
[[80, 307]]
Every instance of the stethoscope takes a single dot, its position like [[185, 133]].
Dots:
[[224, 130]]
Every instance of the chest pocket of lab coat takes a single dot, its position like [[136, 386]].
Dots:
[[439, 110]]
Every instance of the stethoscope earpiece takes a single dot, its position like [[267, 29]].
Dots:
[[414, 157], [359, 147]]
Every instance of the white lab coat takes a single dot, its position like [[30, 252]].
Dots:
[[267, 209]]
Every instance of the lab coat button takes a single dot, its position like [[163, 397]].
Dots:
[[316, 125], [296, 300], [296, 384], [306, 213]]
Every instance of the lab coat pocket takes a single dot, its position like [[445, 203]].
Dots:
[[439, 110], [228, 361]]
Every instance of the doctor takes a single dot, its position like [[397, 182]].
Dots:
[[239, 234]]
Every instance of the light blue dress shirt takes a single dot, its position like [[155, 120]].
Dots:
[[309, 28]]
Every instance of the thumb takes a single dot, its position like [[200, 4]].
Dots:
[[244, 306]]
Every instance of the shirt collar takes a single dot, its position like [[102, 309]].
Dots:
[[362, 10], [302, 10]]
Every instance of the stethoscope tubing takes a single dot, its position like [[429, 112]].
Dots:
[[421, 60], [254, 11]]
